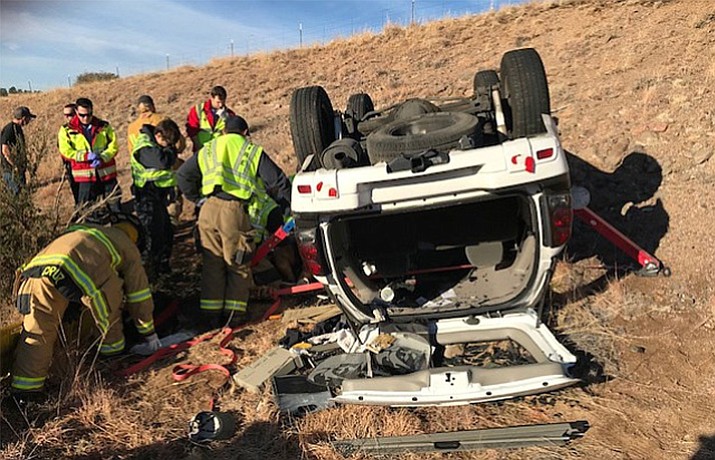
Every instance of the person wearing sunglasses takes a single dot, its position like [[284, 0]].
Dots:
[[90, 145], [68, 112], [13, 161]]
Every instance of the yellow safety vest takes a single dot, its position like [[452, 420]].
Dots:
[[162, 178], [259, 207], [230, 162], [206, 132]]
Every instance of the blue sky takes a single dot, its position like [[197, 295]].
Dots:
[[45, 43]]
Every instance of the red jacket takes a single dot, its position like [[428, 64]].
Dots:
[[75, 148], [202, 126]]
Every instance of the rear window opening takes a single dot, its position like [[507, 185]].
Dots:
[[441, 259]]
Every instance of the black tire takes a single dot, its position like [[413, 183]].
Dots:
[[439, 131], [483, 82], [525, 91], [312, 124], [359, 105]]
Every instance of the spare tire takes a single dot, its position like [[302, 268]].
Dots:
[[312, 123], [343, 153], [438, 131], [525, 91]]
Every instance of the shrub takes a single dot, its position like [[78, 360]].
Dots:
[[24, 227], [89, 77]]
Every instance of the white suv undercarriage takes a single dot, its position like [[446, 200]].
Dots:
[[439, 225]]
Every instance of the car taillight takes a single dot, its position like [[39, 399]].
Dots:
[[560, 218], [309, 252]]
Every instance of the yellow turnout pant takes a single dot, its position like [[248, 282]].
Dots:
[[40, 329], [226, 233]]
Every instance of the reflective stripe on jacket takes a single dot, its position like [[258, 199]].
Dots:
[[231, 163], [141, 175], [201, 125], [74, 147], [259, 207], [207, 132], [94, 257], [135, 127]]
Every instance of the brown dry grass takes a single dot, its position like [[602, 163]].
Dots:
[[616, 69]]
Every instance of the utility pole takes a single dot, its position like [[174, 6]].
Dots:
[[69, 83], [167, 61], [232, 47], [117, 71], [300, 28], [29, 85], [412, 21], [491, 5]]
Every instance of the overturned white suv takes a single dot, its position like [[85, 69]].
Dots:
[[437, 223]]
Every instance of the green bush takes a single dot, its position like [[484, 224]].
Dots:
[[25, 228], [89, 77]]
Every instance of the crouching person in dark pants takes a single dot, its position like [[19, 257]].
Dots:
[[152, 159]]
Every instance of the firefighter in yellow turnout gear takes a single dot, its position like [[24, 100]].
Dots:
[[228, 175], [99, 267]]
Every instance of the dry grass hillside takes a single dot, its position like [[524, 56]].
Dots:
[[632, 82]]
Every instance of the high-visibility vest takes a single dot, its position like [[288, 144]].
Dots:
[[134, 128], [259, 207], [207, 132], [229, 162], [75, 148], [162, 178]]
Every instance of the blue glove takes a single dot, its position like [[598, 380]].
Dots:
[[94, 159]]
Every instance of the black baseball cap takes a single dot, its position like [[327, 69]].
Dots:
[[236, 124], [145, 99], [22, 112]]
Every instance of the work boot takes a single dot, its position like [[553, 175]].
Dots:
[[212, 320], [27, 401]]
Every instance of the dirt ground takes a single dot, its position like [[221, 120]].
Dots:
[[631, 82]]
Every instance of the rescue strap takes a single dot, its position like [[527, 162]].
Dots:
[[183, 371], [272, 242]]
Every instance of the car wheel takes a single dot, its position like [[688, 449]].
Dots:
[[359, 105], [525, 91], [311, 121], [439, 131], [483, 82]]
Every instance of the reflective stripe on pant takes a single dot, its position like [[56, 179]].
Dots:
[[39, 334], [113, 292], [225, 231]]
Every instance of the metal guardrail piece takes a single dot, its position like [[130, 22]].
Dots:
[[553, 434]]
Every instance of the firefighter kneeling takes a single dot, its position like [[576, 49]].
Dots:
[[96, 266]]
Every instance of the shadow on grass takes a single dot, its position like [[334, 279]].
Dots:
[[257, 441], [624, 198], [706, 450]]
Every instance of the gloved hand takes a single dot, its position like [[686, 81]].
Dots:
[[94, 159], [153, 342]]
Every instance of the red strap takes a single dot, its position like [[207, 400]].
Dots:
[[620, 240], [182, 372], [268, 245]]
